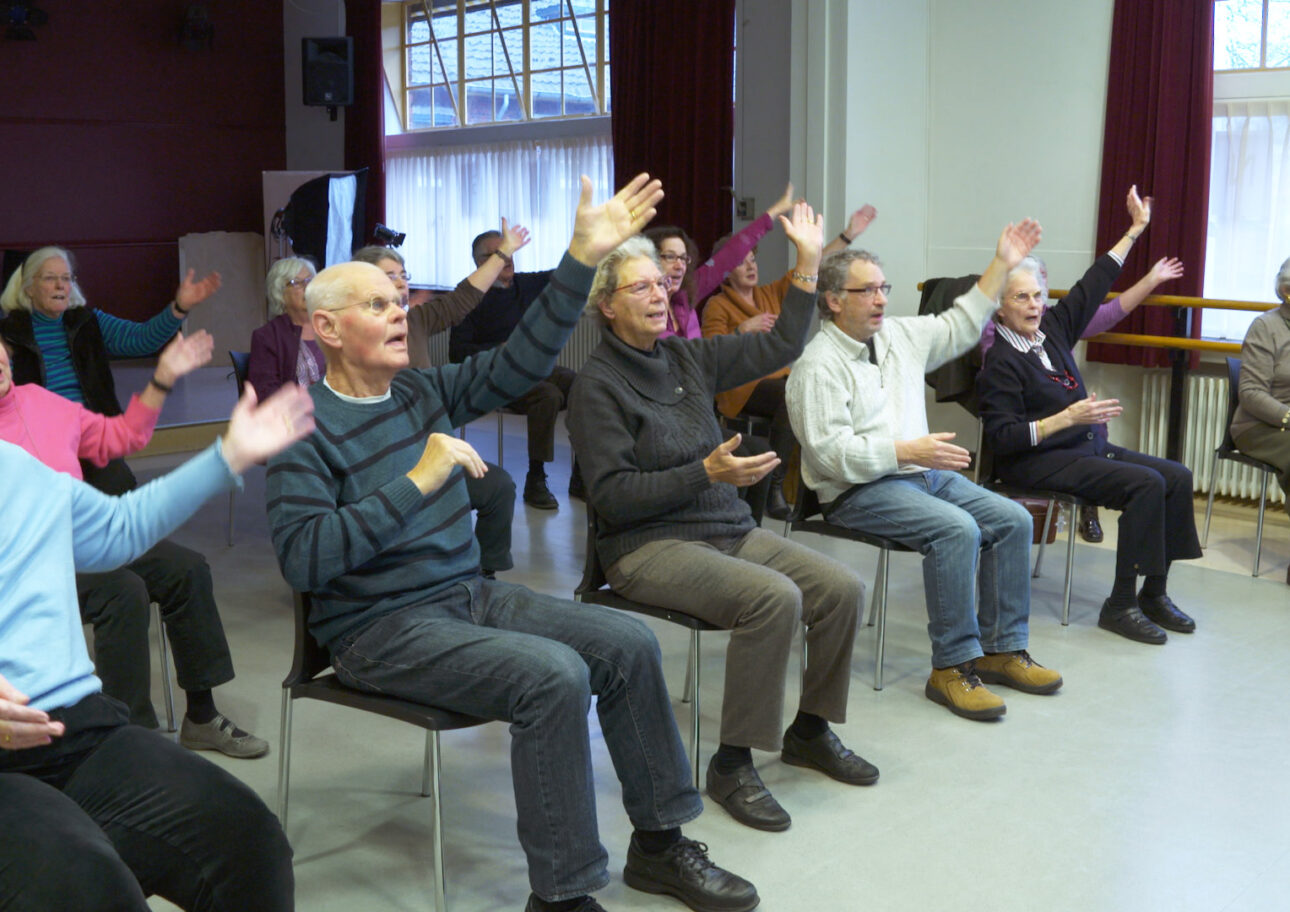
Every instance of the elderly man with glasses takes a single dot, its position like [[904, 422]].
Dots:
[[855, 399]]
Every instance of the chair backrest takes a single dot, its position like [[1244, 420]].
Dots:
[[241, 363], [807, 503], [310, 659], [1228, 445], [593, 575]]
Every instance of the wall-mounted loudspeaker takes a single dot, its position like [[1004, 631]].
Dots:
[[328, 70]]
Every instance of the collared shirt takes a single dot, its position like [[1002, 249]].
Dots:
[[1024, 345]]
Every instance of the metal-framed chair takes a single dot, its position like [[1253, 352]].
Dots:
[[311, 678], [1227, 450], [167, 684], [805, 515], [594, 590], [241, 364]]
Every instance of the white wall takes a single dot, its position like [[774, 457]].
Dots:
[[314, 141]]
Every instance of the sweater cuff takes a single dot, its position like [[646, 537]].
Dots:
[[404, 496], [696, 476]]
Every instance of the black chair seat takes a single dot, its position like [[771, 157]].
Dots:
[[611, 599], [329, 689]]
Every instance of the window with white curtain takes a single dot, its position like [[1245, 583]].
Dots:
[[1249, 196], [443, 196]]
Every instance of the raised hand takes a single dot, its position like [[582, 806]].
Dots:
[[258, 430], [758, 323], [933, 451], [860, 220], [1093, 410], [513, 238], [1016, 242], [599, 229], [783, 204], [22, 726], [806, 230], [191, 293], [442, 452], [1139, 210], [723, 465], [184, 355], [1166, 269]]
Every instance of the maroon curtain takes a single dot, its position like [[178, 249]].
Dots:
[[365, 118], [673, 113], [1159, 113]]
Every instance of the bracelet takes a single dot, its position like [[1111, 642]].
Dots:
[[504, 257], [846, 240], [175, 305], [1132, 237], [803, 277], [153, 381]]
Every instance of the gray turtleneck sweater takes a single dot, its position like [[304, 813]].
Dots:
[[643, 422]]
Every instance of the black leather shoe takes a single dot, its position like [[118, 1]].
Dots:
[[830, 756], [776, 506], [577, 488], [588, 904], [1162, 610], [1131, 623], [536, 493], [1089, 528], [684, 870], [746, 797]]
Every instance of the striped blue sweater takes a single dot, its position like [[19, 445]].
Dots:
[[122, 338], [347, 523]]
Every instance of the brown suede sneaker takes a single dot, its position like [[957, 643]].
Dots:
[[960, 691], [1018, 671]]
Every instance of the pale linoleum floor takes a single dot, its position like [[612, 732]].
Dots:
[[1155, 780]]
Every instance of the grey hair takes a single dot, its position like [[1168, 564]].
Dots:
[[17, 292], [834, 270], [606, 279], [1031, 265], [280, 273], [1283, 282], [334, 286], [477, 245], [374, 253]]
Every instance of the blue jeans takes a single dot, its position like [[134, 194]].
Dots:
[[501, 651], [976, 553]]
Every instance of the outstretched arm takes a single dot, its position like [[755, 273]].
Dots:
[[513, 238], [1140, 217], [856, 225]]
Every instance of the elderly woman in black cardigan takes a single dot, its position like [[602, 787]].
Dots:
[[1047, 431], [674, 533]]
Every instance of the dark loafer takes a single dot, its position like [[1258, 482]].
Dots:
[[1162, 610], [830, 756], [1089, 528], [685, 871], [746, 797], [588, 904], [1130, 623]]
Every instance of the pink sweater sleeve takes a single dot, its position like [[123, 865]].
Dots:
[[709, 276], [1107, 316], [104, 438]]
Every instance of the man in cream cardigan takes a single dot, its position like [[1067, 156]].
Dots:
[[855, 399]]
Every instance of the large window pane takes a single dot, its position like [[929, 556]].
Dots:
[[577, 93], [479, 19], [1238, 31], [546, 10], [506, 104], [445, 114], [479, 102], [587, 32], [544, 46], [421, 69], [510, 13], [1278, 33], [514, 39], [447, 57], [445, 25], [479, 56], [546, 94], [418, 30]]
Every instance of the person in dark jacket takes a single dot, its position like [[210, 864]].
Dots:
[[1048, 431]]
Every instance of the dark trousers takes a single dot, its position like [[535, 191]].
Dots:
[[1158, 520], [541, 405], [178, 579], [110, 813], [493, 500], [767, 401]]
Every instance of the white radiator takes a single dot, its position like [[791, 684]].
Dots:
[[1204, 413], [584, 339]]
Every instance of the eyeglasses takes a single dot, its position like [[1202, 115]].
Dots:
[[375, 306], [65, 278], [670, 258], [299, 283], [870, 290], [1021, 297], [396, 276], [644, 289], [1066, 380]]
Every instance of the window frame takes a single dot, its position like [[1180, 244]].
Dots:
[[1263, 47]]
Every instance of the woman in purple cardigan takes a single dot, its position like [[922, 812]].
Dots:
[[277, 354]]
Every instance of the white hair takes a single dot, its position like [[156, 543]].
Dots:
[[17, 292]]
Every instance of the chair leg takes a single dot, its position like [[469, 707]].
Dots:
[[425, 769], [1258, 539], [284, 756], [436, 820], [687, 693], [880, 602], [167, 686], [694, 705], [879, 586], [1209, 504], [1070, 567], [1043, 537]]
